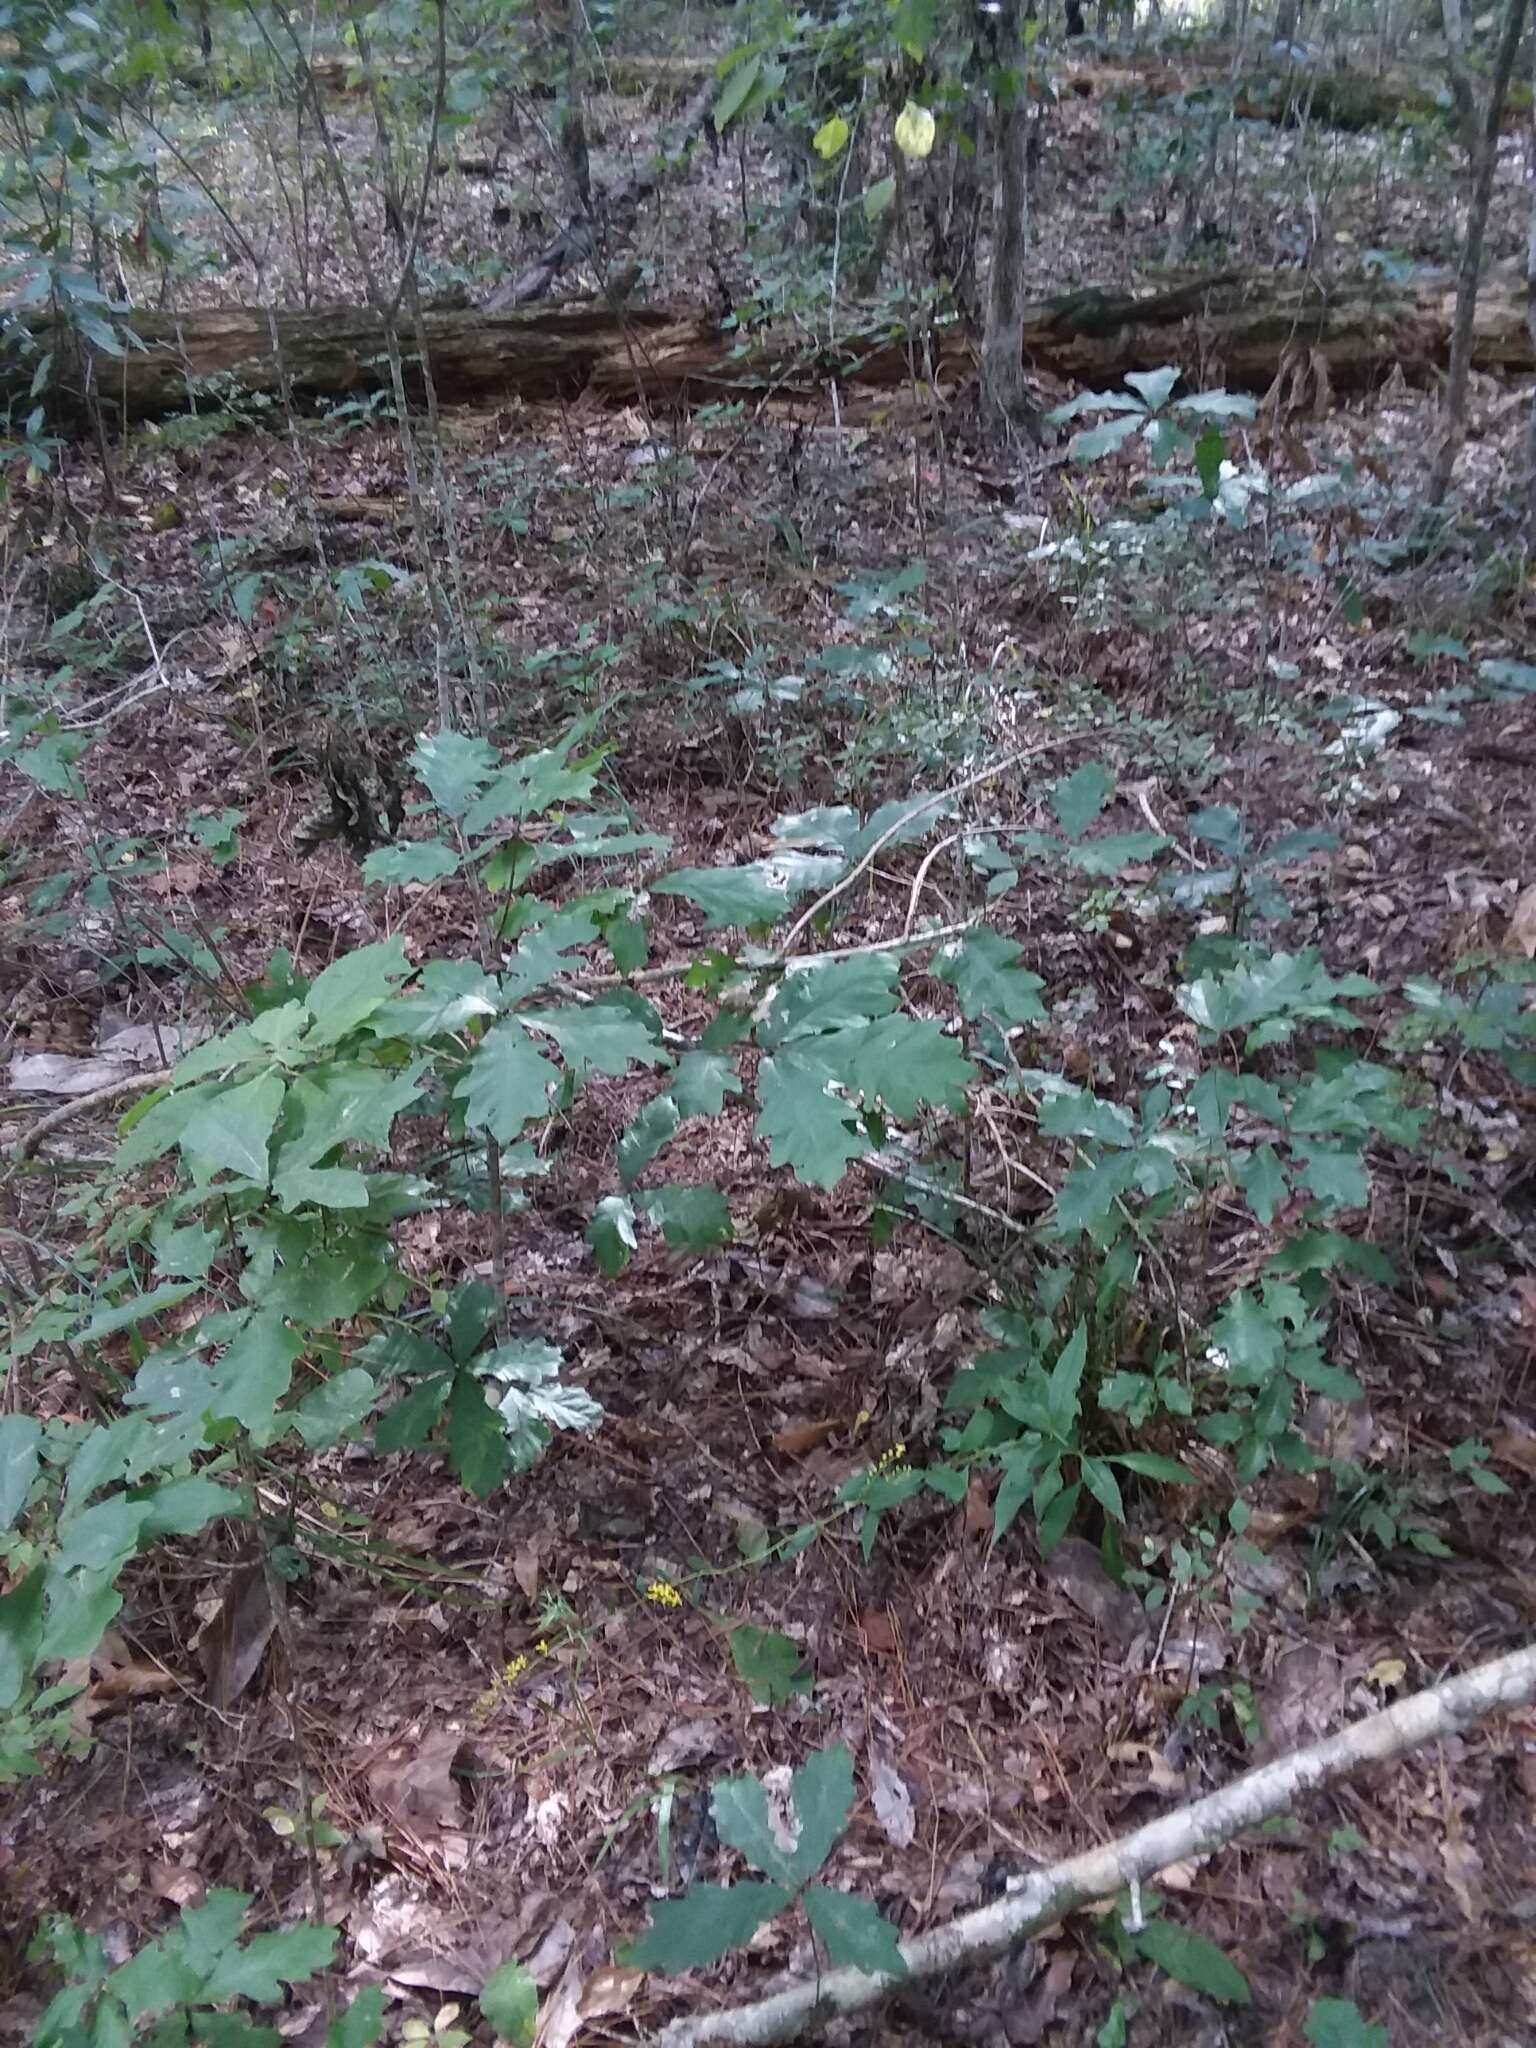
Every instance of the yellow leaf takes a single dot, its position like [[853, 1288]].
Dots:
[[915, 130], [830, 138], [1388, 1673]]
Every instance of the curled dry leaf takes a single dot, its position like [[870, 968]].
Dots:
[[609, 1991], [892, 1802], [1520, 932]]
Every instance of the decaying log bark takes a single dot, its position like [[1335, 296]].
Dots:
[[1241, 330], [1349, 101]]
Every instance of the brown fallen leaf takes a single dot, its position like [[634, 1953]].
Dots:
[[1520, 932], [608, 1991], [417, 1788], [801, 1437], [881, 1635], [233, 1644], [176, 1884]]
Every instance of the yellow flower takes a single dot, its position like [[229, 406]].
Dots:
[[514, 1670], [542, 1646], [661, 1594]]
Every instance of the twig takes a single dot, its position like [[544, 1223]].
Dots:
[[27, 1144], [899, 825], [1194, 1830]]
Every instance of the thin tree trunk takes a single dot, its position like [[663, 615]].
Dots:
[[1530, 314], [1467, 124], [1009, 410], [1455, 411]]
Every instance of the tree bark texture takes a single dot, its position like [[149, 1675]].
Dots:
[[1238, 329], [1008, 408]]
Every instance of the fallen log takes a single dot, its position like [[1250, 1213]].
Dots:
[[1350, 102], [1239, 329]]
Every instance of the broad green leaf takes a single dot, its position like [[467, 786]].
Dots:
[[254, 1374], [607, 1036], [509, 1999], [1152, 1465], [447, 995], [454, 767], [1217, 405], [831, 138], [1314, 1371], [1192, 1960], [878, 197], [738, 89], [984, 972], [326, 1287], [856, 1933], [412, 860], [1339, 1178], [337, 1405], [186, 1253], [913, 27], [1249, 1336], [1064, 1383], [822, 1790], [1105, 1488], [652, 1128], [1262, 1179], [81, 1607], [1103, 439], [137, 1309], [707, 1922], [19, 1439], [471, 1317], [611, 1234], [1337, 2023], [408, 1426], [230, 1131], [1152, 387], [740, 1810], [359, 2026], [351, 989], [508, 1082], [260, 1968], [477, 1442], [1056, 1519], [692, 1219], [343, 1102], [1210, 454], [758, 894], [806, 1124], [701, 1083], [770, 1665], [901, 1062], [829, 998], [1116, 851], [536, 783], [21, 1627], [1078, 798]]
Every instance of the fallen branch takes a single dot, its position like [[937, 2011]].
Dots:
[[66, 1112], [1047, 1896]]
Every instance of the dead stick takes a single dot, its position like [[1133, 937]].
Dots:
[[25, 1146], [1049, 1895]]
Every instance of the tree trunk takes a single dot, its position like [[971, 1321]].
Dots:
[[1249, 332], [1455, 410], [1530, 313], [1007, 406]]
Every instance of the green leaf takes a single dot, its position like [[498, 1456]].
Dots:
[[1078, 798], [471, 1318], [1337, 2023], [537, 782], [19, 1439], [1102, 1484], [805, 1123], [913, 27], [740, 1810], [983, 971], [606, 1037], [856, 1933], [656, 1123], [413, 860], [1249, 1336], [254, 1373], [1064, 1382], [1152, 1465], [1193, 1961], [1116, 851], [770, 1665], [1210, 454], [359, 2026], [1339, 1178], [822, 1790], [830, 998], [137, 1309], [758, 894], [707, 1922], [21, 1627], [454, 767], [878, 197], [1153, 387], [508, 1082], [611, 1234], [262, 1966], [691, 1219], [1311, 1370], [408, 1426], [477, 1442], [701, 1083], [1103, 439], [737, 91], [831, 138], [1262, 1179], [351, 989], [509, 1999], [231, 1130], [336, 1406]]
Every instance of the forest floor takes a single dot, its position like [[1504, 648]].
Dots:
[[482, 1695]]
